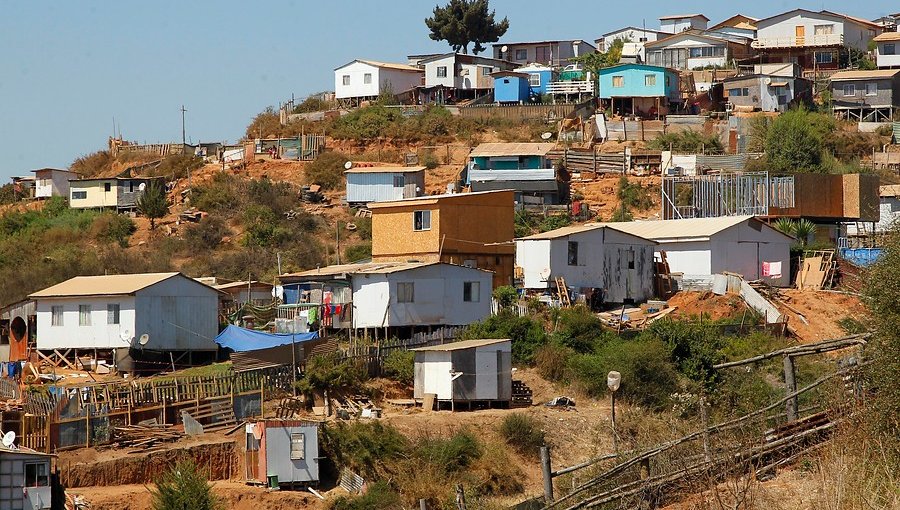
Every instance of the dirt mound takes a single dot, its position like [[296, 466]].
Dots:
[[713, 306], [822, 310]]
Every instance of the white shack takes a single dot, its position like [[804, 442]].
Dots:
[[589, 256], [465, 372], [361, 80], [384, 183], [176, 313], [52, 182], [25, 482], [701, 247]]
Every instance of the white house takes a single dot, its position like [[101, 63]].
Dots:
[[176, 313], [465, 372], [589, 256], [634, 35], [738, 25], [466, 76], [886, 54], [701, 247], [245, 291], [25, 479], [52, 182], [681, 22], [366, 79], [552, 53], [689, 50], [384, 183]]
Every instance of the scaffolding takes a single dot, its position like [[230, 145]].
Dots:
[[728, 194]]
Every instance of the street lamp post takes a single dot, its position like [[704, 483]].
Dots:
[[613, 380]]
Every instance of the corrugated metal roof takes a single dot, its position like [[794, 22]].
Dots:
[[368, 268], [488, 150], [464, 344], [428, 199], [683, 16], [242, 285], [385, 65], [889, 190], [887, 36], [689, 228], [107, 285], [577, 229], [862, 75], [536, 174], [385, 169]]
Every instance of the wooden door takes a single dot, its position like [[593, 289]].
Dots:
[[800, 33]]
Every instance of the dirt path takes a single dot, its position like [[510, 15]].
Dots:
[[236, 496]]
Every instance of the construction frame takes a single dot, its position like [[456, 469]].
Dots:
[[728, 194]]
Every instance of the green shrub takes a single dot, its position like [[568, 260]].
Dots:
[[358, 252], [327, 170], [506, 296], [363, 228], [687, 141], [366, 123], [851, 325], [330, 372], [363, 447], [578, 328], [693, 347], [429, 160], [177, 166], [206, 235], [453, 454], [183, 486], [400, 366], [378, 496], [112, 227], [523, 432], [526, 334], [552, 362], [220, 194], [263, 229]]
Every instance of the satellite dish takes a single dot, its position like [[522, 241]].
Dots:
[[142, 186], [504, 48], [126, 335], [9, 440], [144, 339], [455, 375], [348, 165], [546, 136], [545, 273], [463, 72], [768, 81]]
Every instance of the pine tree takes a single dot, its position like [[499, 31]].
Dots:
[[184, 487], [153, 203], [462, 22]]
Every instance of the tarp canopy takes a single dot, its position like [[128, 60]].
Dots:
[[240, 339]]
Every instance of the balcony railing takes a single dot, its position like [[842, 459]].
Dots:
[[799, 41], [570, 87]]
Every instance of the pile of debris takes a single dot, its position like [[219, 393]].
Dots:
[[144, 436], [636, 318]]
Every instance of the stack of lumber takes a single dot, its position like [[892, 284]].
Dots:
[[633, 318], [817, 270], [144, 436], [521, 395], [215, 414]]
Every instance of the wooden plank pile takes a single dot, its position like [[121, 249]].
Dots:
[[144, 436], [817, 270], [521, 395], [215, 414], [633, 318]]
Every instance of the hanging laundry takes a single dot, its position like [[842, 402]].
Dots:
[[312, 315], [771, 269], [327, 297]]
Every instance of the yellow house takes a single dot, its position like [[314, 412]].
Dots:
[[116, 192], [469, 229]]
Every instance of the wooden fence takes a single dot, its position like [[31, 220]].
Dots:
[[373, 355], [517, 113], [589, 161]]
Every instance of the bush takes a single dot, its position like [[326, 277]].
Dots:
[[693, 347], [527, 334], [363, 447], [262, 227], [112, 227], [327, 170], [552, 362], [92, 164], [795, 141], [183, 486], [452, 455], [400, 366], [578, 329], [523, 432], [687, 141], [206, 235], [506, 296], [358, 252], [334, 374], [429, 160], [378, 496]]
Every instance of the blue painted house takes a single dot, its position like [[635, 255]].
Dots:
[[511, 87], [525, 168], [639, 89], [539, 77]]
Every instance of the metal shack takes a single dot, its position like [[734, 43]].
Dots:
[[282, 452], [25, 479], [465, 372]]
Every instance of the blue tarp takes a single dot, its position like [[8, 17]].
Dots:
[[242, 340], [862, 257]]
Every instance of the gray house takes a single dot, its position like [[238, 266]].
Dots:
[[552, 53], [25, 479], [384, 183], [470, 371], [766, 92], [870, 96], [282, 452]]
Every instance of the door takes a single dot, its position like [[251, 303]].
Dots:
[[800, 32]]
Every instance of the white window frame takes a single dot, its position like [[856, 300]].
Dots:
[[367, 79], [823, 29], [893, 50], [649, 80], [400, 181], [57, 315], [406, 292], [474, 291], [441, 71], [113, 313], [830, 59], [421, 220], [79, 194], [486, 71], [345, 80], [534, 80], [849, 90], [621, 80], [40, 479], [298, 438], [84, 315], [872, 88]]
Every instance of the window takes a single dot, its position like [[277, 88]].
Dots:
[[471, 292], [107, 186], [618, 81], [399, 181], [37, 474], [367, 78], [871, 89], [734, 92], [630, 259], [84, 315], [442, 71], [345, 80], [542, 54], [131, 186], [112, 314], [79, 194], [486, 71], [708, 51], [745, 91], [298, 446], [890, 49], [56, 315], [534, 80], [649, 80], [824, 57], [823, 29], [849, 89], [406, 292], [573, 253], [421, 220], [521, 55]]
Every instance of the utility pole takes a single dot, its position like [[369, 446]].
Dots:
[[337, 237], [183, 140]]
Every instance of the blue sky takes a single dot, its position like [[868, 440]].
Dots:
[[68, 68]]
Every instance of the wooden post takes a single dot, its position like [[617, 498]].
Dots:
[[547, 474], [422, 505], [460, 497], [704, 419], [615, 438], [790, 386]]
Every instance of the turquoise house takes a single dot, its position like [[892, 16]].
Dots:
[[538, 77], [639, 89], [525, 168], [511, 87]]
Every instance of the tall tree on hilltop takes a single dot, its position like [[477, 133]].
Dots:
[[462, 22], [153, 203]]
